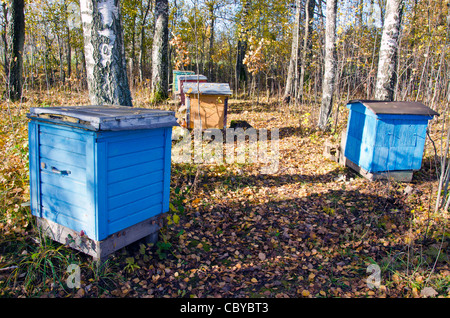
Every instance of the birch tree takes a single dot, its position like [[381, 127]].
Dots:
[[309, 15], [243, 30], [160, 58], [292, 75], [15, 43], [387, 63], [329, 76], [104, 52]]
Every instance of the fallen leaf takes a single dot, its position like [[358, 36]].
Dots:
[[428, 292]]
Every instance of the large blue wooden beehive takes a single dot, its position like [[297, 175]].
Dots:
[[98, 170], [386, 136]]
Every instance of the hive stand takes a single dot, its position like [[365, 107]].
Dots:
[[100, 250]]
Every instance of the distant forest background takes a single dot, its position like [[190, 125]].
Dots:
[[248, 44]]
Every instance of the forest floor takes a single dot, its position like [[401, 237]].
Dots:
[[312, 229]]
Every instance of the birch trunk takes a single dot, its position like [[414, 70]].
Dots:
[[15, 39], [387, 63], [211, 41], [160, 62], [104, 53], [329, 76], [293, 62], [142, 42], [309, 15], [240, 71]]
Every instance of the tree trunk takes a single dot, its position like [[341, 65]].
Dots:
[[69, 48], [142, 40], [309, 14], [160, 63], [5, 41], [212, 17], [293, 62], [387, 63], [105, 53], [329, 76], [16, 36], [242, 44], [133, 53]]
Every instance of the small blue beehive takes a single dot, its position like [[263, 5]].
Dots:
[[386, 136], [99, 175], [177, 73]]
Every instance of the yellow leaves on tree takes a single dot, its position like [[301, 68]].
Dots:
[[255, 58], [181, 53]]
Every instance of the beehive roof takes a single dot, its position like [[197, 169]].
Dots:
[[191, 77], [106, 117], [207, 88], [396, 107]]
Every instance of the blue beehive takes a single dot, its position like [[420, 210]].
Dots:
[[386, 136], [99, 173]]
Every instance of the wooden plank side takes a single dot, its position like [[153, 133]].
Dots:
[[63, 143], [211, 111], [167, 168], [63, 209], [133, 171], [33, 148], [64, 131], [76, 174], [135, 205], [124, 135], [64, 194], [136, 145], [128, 220], [420, 146], [352, 148], [64, 156], [370, 130], [119, 162], [134, 183], [64, 183], [380, 159], [101, 189], [128, 197], [92, 185]]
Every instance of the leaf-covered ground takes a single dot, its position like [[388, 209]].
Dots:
[[310, 230]]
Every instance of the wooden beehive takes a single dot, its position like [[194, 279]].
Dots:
[[386, 137], [177, 73], [99, 175], [184, 79], [208, 103]]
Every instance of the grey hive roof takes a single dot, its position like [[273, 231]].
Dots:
[[207, 88], [106, 117], [396, 107]]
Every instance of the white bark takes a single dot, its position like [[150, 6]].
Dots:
[[160, 62], [104, 53], [387, 63], [293, 62], [329, 76]]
